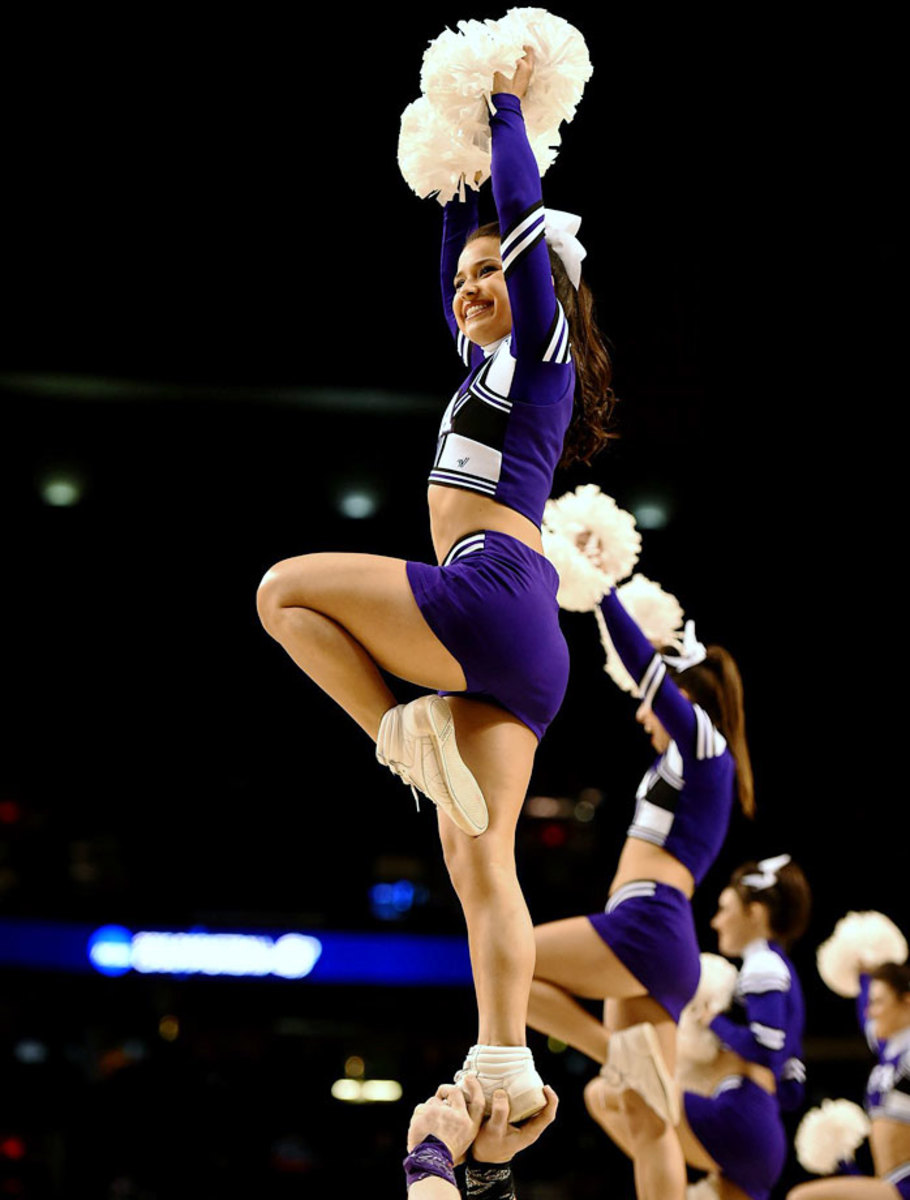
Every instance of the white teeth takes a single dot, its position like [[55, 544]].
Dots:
[[473, 309]]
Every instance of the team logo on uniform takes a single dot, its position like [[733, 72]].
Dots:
[[461, 461]]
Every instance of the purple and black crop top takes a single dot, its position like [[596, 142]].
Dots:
[[767, 1018], [502, 433], [684, 802]]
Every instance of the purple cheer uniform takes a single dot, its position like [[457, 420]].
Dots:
[[739, 1124], [888, 1087], [492, 602], [683, 805]]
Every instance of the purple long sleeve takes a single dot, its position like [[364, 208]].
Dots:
[[674, 711], [519, 206]]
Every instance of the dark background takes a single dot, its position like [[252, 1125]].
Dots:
[[221, 312]]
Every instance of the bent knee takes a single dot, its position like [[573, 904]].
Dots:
[[273, 595]]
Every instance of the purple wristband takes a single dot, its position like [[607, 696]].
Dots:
[[430, 1157]]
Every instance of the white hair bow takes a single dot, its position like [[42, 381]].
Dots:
[[693, 652], [768, 869], [560, 230]]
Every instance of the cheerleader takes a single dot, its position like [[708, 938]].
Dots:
[[482, 627], [733, 1095], [883, 1007], [641, 953]]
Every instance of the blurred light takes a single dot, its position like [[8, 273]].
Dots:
[[30, 1051], [367, 1091], [113, 950], [555, 1046], [354, 1067], [390, 901], [10, 812], [584, 811], [110, 950], [12, 1147], [61, 491], [651, 513], [381, 1091], [545, 808], [169, 1028], [553, 835], [358, 503]]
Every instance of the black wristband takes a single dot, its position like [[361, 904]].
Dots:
[[490, 1181]]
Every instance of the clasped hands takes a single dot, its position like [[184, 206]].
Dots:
[[455, 1116]]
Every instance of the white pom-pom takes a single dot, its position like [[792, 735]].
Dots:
[[657, 613], [705, 1189], [581, 584], [829, 1135], [436, 159], [695, 1042], [602, 531], [458, 69], [861, 942], [562, 67]]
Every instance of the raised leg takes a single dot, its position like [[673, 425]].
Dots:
[[573, 960], [342, 617]]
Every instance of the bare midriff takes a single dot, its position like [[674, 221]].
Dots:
[[703, 1078], [890, 1144], [454, 513], [642, 860]]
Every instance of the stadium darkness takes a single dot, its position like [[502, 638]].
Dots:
[[221, 322]]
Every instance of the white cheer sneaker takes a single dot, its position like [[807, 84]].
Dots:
[[635, 1061], [511, 1068], [417, 742]]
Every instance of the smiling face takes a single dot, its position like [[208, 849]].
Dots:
[[738, 924], [889, 1012], [481, 303]]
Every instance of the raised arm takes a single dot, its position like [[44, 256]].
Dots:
[[539, 327], [764, 984], [687, 724]]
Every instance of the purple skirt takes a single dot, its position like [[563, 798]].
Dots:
[[740, 1127], [492, 604], [649, 927]]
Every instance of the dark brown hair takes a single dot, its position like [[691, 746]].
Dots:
[[716, 686], [895, 975], [588, 432], [788, 901]]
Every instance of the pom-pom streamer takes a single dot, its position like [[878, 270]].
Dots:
[[657, 613], [447, 139], [860, 943], [695, 1042], [830, 1134], [592, 542]]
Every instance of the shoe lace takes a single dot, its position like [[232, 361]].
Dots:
[[401, 771]]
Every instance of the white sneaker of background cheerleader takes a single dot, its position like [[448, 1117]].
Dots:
[[510, 1068], [417, 742], [635, 1062]]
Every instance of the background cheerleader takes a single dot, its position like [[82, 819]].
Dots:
[[735, 1089], [883, 1007], [642, 952]]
